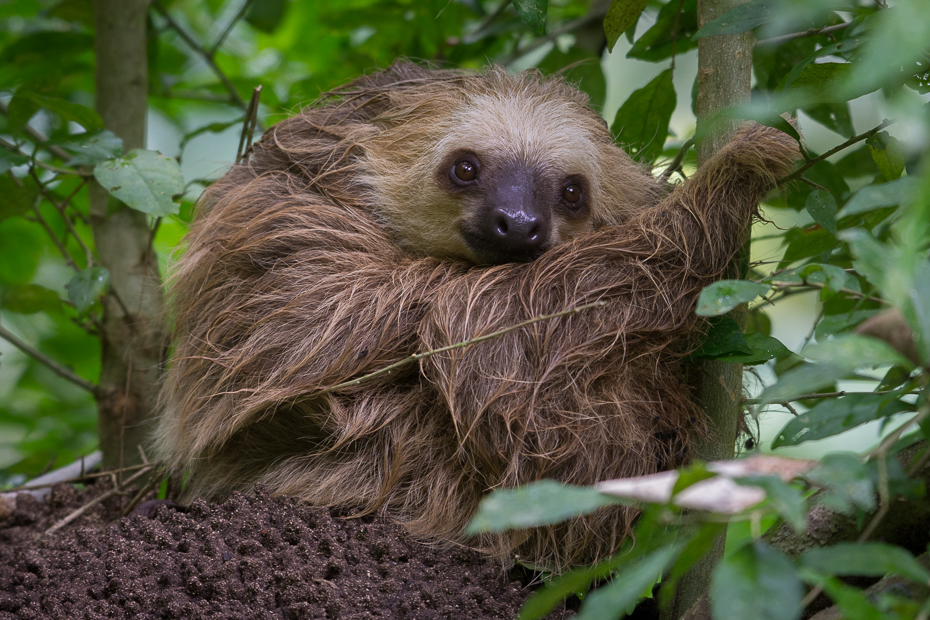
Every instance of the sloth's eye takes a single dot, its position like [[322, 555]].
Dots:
[[571, 194], [465, 171]]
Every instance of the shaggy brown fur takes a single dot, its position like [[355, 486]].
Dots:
[[331, 254]]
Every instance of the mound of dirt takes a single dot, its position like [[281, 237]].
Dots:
[[253, 556]]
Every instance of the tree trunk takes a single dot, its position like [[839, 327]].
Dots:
[[724, 81], [132, 333]]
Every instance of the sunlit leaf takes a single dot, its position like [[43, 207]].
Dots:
[[641, 124], [723, 296], [873, 559], [537, 503], [837, 415], [146, 181], [87, 286], [756, 582]]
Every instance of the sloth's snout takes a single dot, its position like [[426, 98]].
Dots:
[[518, 229]]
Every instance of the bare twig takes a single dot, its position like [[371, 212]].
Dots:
[[40, 139], [116, 489], [417, 357], [814, 396], [538, 42], [478, 32], [207, 56], [248, 125], [676, 163], [60, 207], [54, 237], [799, 35], [57, 368], [785, 286], [232, 23], [811, 163]]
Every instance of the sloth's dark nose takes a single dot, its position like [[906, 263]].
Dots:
[[518, 229]]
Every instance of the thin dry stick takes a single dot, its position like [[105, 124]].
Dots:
[[785, 286], [418, 356], [676, 163], [116, 489], [816, 396], [60, 207], [248, 125], [799, 35], [57, 368], [811, 163]]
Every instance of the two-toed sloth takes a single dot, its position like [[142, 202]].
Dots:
[[415, 209]]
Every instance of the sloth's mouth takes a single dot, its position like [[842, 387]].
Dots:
[[492, 252]]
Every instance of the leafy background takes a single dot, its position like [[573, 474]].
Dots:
[[848, 237]]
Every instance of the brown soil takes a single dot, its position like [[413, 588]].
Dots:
[[251, 557]]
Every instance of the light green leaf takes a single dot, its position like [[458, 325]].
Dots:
[[641, 124], [803, 379], [146, 181], [628, 586], [742, 18], [852, 602], [887, 153], [28, 299], [533, 13], [764, 348], [871, 559], [671, 32], [873, 197], [721, 297], [837, 415], [756, 582], [91, 148], [833, 276], [535, 504], [620, 16], [87, 286], [855, 351], [822, 206]]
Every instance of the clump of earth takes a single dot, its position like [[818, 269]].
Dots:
[[253, 556]]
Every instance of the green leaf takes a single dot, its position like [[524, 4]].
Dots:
[[852, 602], [887, 153], [535, 504], [763, 348], [723, 296], [831, 325], [579, 67], [82, 115], [803, 379], [671, 32], [833, 276], [146, 181], [873, 197], [22, 244], [641, 124], [91, 148], [533, 13], [872, 559], [723, 338], [833, 116], [756, 582], [787, 501], [856, 351], [28, 299], [87, 286], [10, 160], [849, 482], [266, 15], [628, 586], [17, 198], [822, 207], [620, 16], [837, 415], [742, 18]]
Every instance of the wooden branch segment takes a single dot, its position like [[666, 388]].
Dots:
[[132, 333]]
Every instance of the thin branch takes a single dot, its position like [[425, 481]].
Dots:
[[57, 368], [248, 126], [232, 23], [51, 233], [478, 33], [814, 396], [417, 357], [199, 49], [810, 164], [676, 163], [116, 489], [60, 207], [40, 139], [785, 286], [538, 42], [800, 35]]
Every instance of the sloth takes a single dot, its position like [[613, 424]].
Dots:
[[415, 209]]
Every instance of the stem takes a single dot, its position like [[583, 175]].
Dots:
[[235, 20], [57, 368], [810, 164], [39, 138], [799, 35]]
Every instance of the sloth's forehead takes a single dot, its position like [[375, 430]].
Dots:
[[539, 130]]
